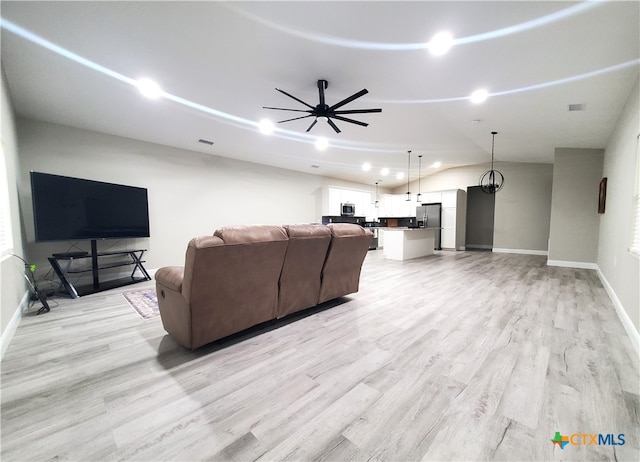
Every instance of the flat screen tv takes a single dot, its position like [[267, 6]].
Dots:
[[66, 208]]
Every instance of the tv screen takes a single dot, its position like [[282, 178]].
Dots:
[[66, 208]]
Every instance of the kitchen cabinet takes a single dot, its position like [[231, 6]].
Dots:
[[454, 210], [405, 244], [396, 205]]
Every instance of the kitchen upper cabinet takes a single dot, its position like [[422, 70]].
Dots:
[[431, 197], [361, 199], [396, 205]]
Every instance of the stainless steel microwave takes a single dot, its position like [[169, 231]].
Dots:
[[347, 209]]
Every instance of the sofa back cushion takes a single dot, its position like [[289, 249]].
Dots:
[[302, 270], [347, 250], [231, 279]]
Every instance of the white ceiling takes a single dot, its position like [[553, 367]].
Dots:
[[221, 62]]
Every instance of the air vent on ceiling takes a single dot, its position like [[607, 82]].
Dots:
[[576, 107], [203, 141], [315, 166]]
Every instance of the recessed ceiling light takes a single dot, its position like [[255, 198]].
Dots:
[[440, 43], [384, 171], [366, 166], [266, 126], [399, 175], [436, 165], [149, 88], [479, 96], [322, 144]]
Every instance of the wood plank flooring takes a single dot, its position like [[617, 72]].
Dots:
[[455, 356]]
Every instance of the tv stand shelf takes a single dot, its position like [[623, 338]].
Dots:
[[114, 260]]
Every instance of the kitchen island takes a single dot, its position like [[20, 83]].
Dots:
[[408, 243]]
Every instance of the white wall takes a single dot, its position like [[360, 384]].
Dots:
[[619, 267], [573, 236], [12, 285], [523, 206], [190, 194]]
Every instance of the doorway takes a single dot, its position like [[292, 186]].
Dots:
[[480, 213]]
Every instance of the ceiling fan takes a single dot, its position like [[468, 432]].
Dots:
[[322, 111]]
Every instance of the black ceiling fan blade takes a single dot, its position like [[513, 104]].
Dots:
[[352, 121], [356, 111], [293, 97], [315, 121], [349, 99], [285, 109], [295, 118], [334, 126]]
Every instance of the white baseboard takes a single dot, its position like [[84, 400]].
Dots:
[[573, 264], [7, 335], [633, 334], [522, 251]]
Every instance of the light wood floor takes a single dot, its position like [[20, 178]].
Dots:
[[456, 356]]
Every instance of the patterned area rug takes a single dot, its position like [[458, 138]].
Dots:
[[145, 302]]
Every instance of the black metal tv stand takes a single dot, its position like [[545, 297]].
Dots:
[[122, 258]]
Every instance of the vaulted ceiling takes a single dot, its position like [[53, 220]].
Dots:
[[218, 64]]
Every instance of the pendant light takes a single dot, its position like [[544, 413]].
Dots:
[[419, 195], [492, 180], [376, 204], [408, 171]]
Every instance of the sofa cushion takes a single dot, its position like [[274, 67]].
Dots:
[[251, 233], [301, 274], [233, 285], [347, 250], [195, 246]]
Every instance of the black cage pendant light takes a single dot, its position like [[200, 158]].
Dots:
[[492, 180]]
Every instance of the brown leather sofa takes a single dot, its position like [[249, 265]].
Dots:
[[245, 275]]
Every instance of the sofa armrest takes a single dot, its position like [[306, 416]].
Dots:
[[171, 277]]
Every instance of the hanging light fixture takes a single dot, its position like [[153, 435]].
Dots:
[[492, 180], [408, 170], [376, 204], [419, 195]]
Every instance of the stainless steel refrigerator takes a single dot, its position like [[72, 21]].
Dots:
[[430, 216]]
